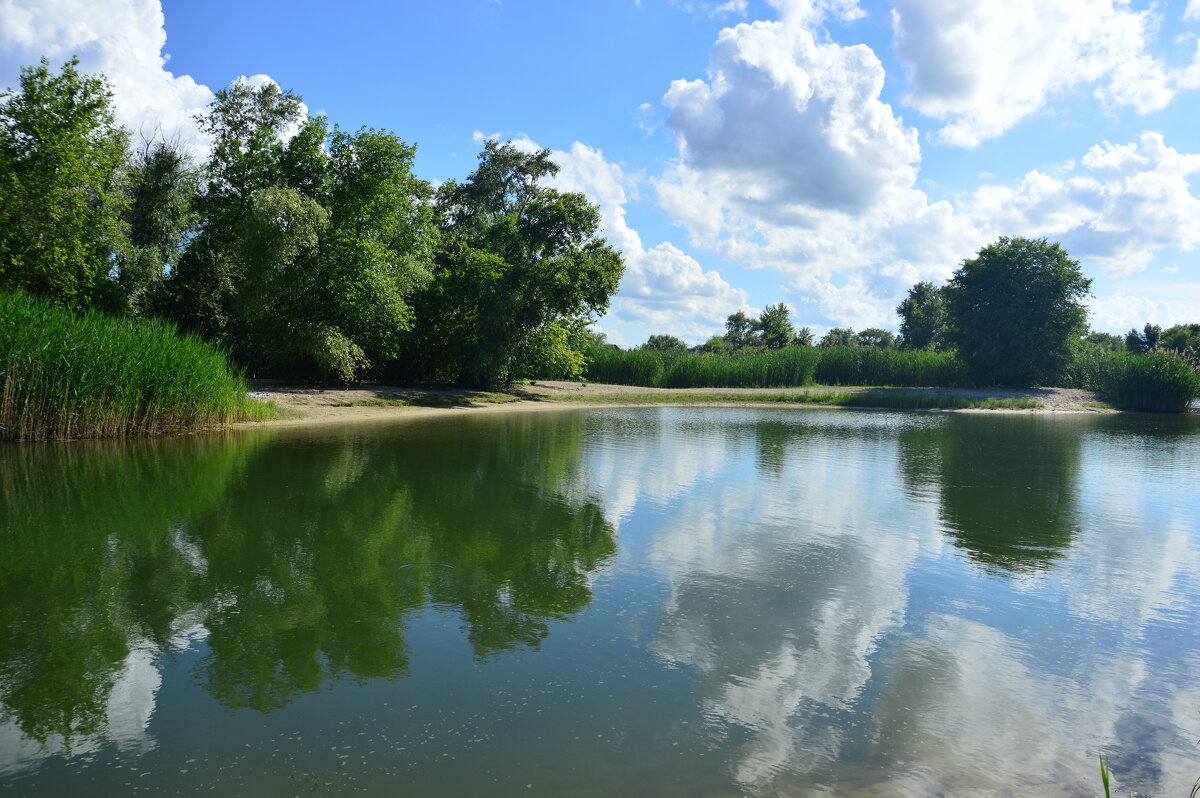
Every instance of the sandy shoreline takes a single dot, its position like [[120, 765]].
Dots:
[[308, 406]]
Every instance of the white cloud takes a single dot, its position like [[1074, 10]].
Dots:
[[788, 159], [981, 67], [1134, 200], [664, 288], [1193, 10], [124, 41]]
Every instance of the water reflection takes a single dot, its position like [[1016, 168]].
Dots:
[[805, 603], [1007, 485], [298, 561]]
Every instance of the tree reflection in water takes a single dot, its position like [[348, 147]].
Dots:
[[300, 559]]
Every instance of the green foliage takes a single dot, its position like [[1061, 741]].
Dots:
[[64, 375], [1144, 341], [1106, 341], [716, 345], [775, 327], [864, 365], [765, 369], [789, 367], [875, 337], [63, 166], [163, 187], [1014, 311], [1182, 338], [838, 336], [514, 257], [923, 317], [740, 332], [624, 367], [1155, 382], [666, 343]]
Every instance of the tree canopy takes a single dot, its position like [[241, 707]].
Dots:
[[62, 186], [1014, 311], [922, 317], [518, 267]]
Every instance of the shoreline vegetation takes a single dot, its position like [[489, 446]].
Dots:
[[137, 286], [91, 375]]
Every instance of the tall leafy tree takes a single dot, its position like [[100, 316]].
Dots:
[[63, 165], [923, 317], [517, 264], [740, 332], [163, 188], [1014, 311], [875, 337], [1145, 340], [838, 336], [665, 343], [775, 327], [251, 151]]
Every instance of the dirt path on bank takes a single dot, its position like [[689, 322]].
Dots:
[[303, 406]]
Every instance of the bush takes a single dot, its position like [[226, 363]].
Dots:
[[64, 375]]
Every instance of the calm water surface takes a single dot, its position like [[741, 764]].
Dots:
[[636, 602]]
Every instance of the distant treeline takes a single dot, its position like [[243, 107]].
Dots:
[[1012, 316], [305, 252]]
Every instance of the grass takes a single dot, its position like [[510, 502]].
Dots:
[[888, 398], [68, 375]]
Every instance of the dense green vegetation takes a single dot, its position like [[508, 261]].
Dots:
[[65, 375], [305, 252], [780, 368], [316, 254]]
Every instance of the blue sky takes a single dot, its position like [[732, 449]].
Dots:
[[824, 153]]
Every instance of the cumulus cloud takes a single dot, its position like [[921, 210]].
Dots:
[[982, 67], [664, 288], [124, 41], [1134, 199], [789, 160]]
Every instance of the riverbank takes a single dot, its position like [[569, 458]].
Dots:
[[302, 406]]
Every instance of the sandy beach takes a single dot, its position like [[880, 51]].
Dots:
[[307, 405]]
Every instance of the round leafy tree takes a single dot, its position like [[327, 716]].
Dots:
[[1014, 310]]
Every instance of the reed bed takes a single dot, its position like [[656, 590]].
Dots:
[[68, 375], [780, 368], [1155, 382]]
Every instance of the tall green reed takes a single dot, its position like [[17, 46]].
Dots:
[[68, 375]]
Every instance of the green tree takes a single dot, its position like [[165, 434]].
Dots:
[[923, 317], [716, 345], [774, 327], [665, 343], [804, 337], [1106, 341], [1145, 340], [740, 332], [63, 165], [1183, 338], [248, 126], [1014, 310], [163, 189], [513, 258], [875, 337], [838, 336]]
